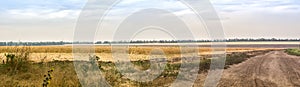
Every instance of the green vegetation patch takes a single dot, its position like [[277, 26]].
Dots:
[[293, 51]]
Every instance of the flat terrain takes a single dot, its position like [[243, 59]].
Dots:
[[248, 67], [62, 53], [274, 69]]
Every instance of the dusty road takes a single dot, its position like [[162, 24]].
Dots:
[[274, 69]]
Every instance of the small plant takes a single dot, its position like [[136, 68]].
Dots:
[[93, 58], [43, 59], [18, 60], [48, 78], [10, 58]]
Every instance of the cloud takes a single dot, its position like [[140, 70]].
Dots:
[[229, 6], [38, 20], [42, 9], [259, 18], [240, 17], [43, 14], [128, 7]]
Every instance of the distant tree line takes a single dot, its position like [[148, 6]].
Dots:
[[136, 41], [261, 39], [191, 41], [32, 43]]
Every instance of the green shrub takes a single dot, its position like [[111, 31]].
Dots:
[[236, 58], [205, 64], [293, 51]]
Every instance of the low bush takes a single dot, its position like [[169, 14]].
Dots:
[[17, 61], [293, 51]]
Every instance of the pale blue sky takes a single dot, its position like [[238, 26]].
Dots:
[[46, 20]]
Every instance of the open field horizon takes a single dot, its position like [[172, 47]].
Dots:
[[149, 43], [135, 52]]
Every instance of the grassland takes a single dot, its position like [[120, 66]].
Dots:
[[62, 53], [32, 73], [107, 49]]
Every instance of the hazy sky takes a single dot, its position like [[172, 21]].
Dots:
[[47, 20]]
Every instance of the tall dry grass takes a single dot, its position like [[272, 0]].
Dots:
[[107, 49]]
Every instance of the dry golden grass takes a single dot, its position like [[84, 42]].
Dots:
[[64, 75], [61, 53], [107, 49]]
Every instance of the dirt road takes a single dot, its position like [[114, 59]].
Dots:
[[274, 69]]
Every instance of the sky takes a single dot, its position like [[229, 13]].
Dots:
[[55, 20]]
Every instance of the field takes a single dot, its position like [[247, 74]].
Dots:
[[32, 63], [62, 53]]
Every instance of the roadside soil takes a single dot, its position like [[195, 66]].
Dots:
[[273, 69]]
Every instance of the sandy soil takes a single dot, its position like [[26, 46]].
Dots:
[[274, 69]]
